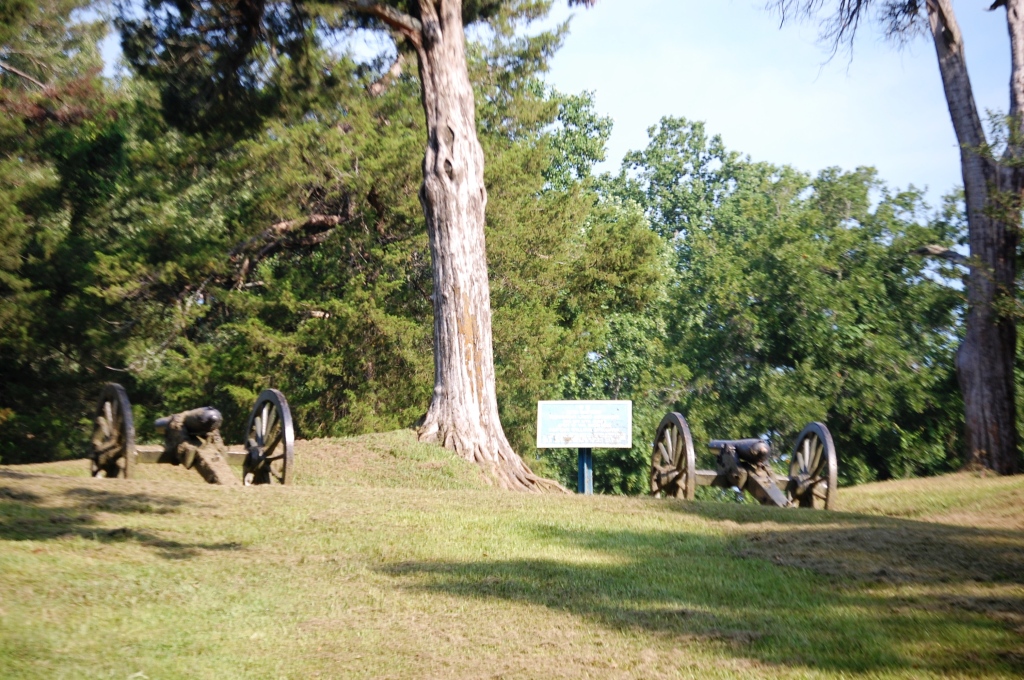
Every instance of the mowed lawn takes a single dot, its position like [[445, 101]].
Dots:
[[391, 559]]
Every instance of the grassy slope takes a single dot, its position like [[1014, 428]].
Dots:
[[391, 559]]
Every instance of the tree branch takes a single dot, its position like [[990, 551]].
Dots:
[[949, 48], [408, 26], [377, 87], [21, 74], [307, 232], [313, 223], [1015, 24], [942, 252]]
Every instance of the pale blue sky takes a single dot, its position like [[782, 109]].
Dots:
[[769, 92]]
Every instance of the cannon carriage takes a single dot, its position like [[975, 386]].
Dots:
[[192, 439], [746, 464]]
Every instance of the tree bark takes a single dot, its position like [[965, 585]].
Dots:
[[1015, 24], [311, 231], [463, 413], [985, 360]]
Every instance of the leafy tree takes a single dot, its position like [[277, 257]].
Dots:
[[60, 149], [598, 284], [993, 184], [227, 48], [796, 300], [627, 365], [295, 255]]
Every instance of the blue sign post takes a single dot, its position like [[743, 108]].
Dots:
[[585, 425], [585, 471]]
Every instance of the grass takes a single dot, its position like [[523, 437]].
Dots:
[[392, 559]]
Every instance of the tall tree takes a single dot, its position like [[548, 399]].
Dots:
[[993, 183], [58, 149], [463, 412]]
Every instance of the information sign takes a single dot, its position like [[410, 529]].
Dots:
[[585, 424]]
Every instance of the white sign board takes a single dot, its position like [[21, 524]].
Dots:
[[585, 424]]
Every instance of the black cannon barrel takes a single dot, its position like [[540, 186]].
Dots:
[[203, 420], [751, 450], [735, 443], [161, 424], [198, 421]]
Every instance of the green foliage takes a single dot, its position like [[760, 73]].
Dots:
[[680, 178], [342, 326], [44, 41], [59, 152], [173, 299], [221, 66], [564, 263], [579, 142], [158, 235], [624, 276], [796, 299], [627, 366]]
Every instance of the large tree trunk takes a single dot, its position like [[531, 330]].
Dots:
[[463, 412], [985, 360]]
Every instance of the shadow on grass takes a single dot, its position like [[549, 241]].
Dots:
[[26, 516], [723, 589], [849, 546]]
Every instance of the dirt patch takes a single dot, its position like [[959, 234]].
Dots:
[[915, 566], [892, 551], [1010, 609]]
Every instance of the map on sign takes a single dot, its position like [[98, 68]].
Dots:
[[584, 424]]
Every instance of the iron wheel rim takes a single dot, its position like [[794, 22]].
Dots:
[[813, 461], [113, 438], [269, 441], [673, 462]]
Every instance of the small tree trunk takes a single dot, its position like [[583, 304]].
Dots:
[[463, 412], [985, 360]]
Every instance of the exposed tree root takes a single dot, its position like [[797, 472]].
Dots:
[[502, 466], [463, 414]]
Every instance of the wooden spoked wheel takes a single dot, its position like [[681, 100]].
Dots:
[[673, 464], [270, 441], [812, 469], [113, 436]]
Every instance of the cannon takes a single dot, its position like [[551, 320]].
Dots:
[[192, 439], [745, 464]]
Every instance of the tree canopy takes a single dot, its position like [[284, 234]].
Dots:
[[201, 260], [993, 197]]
